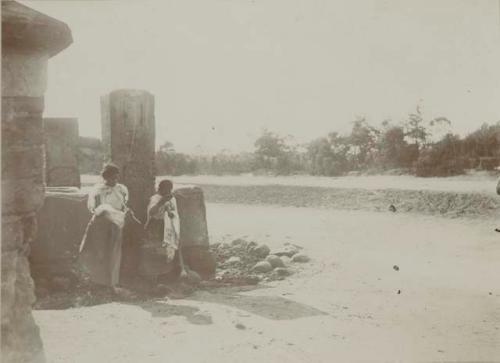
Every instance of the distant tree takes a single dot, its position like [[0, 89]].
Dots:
[[415, 128], [320, 153], [169, 162], [481, 144], [167, 147], [270, 145], [328, 155], [268, 148], [443, 158], [393, 148], [421, 132], [363, 139], [90, 155], [413, 145]]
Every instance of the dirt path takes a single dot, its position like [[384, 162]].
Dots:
[[342, 306]]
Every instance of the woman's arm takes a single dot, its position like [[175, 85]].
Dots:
[[124, 193], [93, 200], [172, 210], [155, 203]]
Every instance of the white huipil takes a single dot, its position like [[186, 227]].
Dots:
[[171, 227], [110, 201], [101, 247]]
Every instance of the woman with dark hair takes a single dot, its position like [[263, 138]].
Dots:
[[159, 253], [101, 248]]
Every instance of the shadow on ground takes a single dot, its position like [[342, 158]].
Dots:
[[270, 307], [165, 310]]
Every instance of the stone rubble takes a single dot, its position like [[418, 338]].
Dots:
[[243, 262]]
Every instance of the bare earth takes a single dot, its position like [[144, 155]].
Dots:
[[342, 306]]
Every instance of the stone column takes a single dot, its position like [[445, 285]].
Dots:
[[128, 136], [61, 152], [29, 39]]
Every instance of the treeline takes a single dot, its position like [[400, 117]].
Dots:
[[90, 155], [414, 146]]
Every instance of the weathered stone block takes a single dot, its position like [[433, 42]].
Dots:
[[9, 274], [194, 230], [22, 163], [200, 259], [61, 224], [22, 196], [21, 122], [24, 75], [12, 233], [25, 292], [22, 108], [61, 152], [192, 214], [20, 336]]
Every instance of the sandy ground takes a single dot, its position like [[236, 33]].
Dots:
[[342, 306]]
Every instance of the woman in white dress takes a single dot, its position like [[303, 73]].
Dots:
[[101, 248]]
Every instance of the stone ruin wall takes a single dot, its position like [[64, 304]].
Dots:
[[29, 39], [64, 216]]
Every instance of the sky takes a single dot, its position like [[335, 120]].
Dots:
[[222, 71]]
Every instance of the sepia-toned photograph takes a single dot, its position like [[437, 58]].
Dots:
[[233, 181]]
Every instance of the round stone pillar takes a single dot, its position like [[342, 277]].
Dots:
[[128, 137]]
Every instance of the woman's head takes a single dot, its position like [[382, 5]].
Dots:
[[165, 187], [110, 174]]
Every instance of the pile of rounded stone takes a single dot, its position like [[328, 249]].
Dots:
[[243, 262]]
